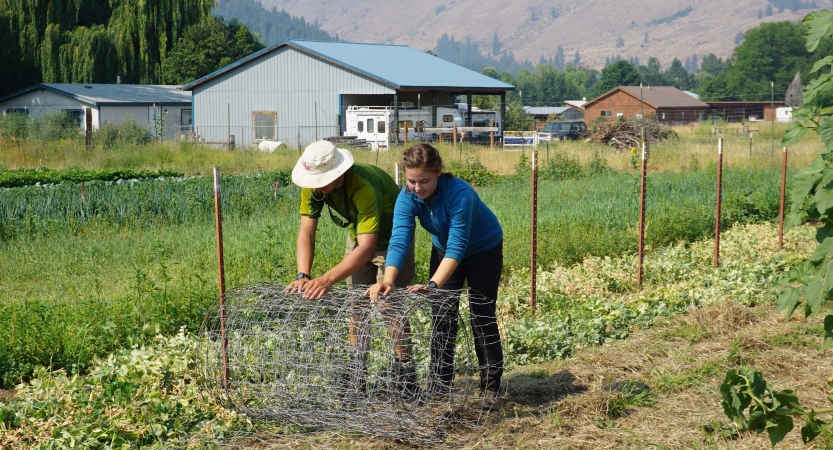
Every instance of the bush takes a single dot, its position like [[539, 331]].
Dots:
[[55, 126], [130, 132], [561, 167], [474, 172]]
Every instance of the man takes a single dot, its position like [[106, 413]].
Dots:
[[363, 197]]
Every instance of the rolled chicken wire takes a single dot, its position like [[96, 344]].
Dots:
[[296, 362]]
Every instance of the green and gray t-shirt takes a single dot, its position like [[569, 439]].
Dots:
[[371, 194]]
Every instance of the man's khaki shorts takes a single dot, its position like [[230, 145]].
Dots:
[[374, 271]]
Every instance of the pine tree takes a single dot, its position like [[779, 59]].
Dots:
[[768, 11], [576, 60], [495, 45]]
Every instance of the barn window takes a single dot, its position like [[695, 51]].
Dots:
[[369, 125], [663, 116], [619, 114], [682, 114], [23, 111], [264, 125], [360, 126], [77, 116], [380, 125], [606, 114]]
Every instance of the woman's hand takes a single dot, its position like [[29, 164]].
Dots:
[[377, 290], [419, 289]]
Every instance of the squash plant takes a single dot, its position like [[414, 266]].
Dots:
[[810, 284]]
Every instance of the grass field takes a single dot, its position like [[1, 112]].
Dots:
[[89, 276]]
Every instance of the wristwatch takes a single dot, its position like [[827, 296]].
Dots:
[[302, 275], [432, 284]]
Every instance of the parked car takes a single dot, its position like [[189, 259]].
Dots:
[[564, 130]]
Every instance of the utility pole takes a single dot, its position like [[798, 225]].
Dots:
[[772, 108]]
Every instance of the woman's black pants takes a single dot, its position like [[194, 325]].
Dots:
[[482, 273]]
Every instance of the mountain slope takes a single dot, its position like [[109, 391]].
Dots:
[[535, 28]]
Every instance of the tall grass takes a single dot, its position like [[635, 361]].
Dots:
[[696, 148]]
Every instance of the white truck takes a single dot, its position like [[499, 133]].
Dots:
[[373, 123]]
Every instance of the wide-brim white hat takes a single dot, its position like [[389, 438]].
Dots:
[[320, 164]]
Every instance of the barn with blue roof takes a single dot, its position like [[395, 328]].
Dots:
[[298, 91]]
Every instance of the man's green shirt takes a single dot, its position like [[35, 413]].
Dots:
[[371, 195]]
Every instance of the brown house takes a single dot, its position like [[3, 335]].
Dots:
[[670, 105]]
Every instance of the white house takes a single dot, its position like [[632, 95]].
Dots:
[[98, 104]]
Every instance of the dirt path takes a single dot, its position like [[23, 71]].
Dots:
[[657, 389]]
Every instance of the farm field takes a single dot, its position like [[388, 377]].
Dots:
[[682, 335], [94, 275]]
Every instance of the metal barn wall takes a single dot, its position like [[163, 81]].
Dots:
[[287, 82]]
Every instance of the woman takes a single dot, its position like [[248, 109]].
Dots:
[[467, 246]]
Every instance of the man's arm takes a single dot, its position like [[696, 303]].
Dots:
[[352, 262], [304, 252]]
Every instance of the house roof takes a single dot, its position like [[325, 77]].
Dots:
[[655, 96], [576, 103], [398, 66], [113, 94], [545, 110]]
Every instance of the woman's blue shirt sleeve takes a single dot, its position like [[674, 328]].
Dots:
[[404, 213]]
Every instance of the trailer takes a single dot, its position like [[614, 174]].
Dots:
[[374, 124]]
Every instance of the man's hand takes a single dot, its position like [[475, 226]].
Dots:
[[296, 286], [377, 290], [316, 288]]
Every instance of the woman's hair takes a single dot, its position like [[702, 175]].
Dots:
[[424, 157]]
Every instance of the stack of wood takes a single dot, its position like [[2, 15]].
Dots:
[[624, 134]]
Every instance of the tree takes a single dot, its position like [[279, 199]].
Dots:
[[768, 11], [771, 52], [712, 65], [577, 59], [651, 72], [620, 42], [495, 45], [89, 41], [558, 61], [206, 47], [739, 37], [760, 14], [676, 75], [620, 73]]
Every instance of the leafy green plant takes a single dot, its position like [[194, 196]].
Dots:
[[28, 177], [811, 282], [149, 395]]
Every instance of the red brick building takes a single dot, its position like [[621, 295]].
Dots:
[[670, 105]]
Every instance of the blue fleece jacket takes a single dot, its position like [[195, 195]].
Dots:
[[461, 224]]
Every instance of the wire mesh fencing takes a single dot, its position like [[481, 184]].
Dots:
[[405, 367]]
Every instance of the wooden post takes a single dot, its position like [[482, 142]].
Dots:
[[534, 232], [718, 196], [218, 220], [783, 195], [492, 135], [405, 141], [454, 135], [641, 252]]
